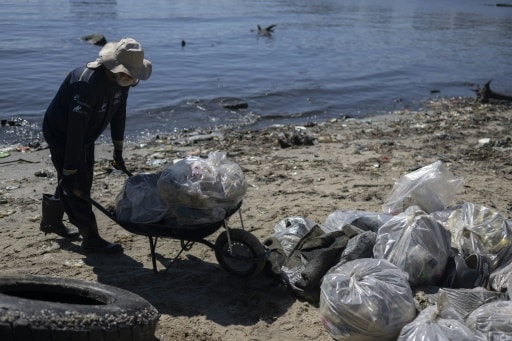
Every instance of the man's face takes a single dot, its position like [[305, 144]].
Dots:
[[124, 80]]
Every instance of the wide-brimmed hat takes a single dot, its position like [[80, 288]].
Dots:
[[125, 56]]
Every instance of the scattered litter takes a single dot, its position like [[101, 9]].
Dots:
[[41, 174], [18, 161], [156, 162], [484, 141], [74, 263], [6, 213], [34, 219]]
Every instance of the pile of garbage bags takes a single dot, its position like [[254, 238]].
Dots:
[[421, 269], [191, 191]]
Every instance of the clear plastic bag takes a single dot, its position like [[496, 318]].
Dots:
[[465, 301], [416, 243], [366, 299], [139, 201], [437, 322], [501, 278], [290, 230], [202, 190], [203, 182], [367, 221], [491, 321], [477, 229], [432, 188]]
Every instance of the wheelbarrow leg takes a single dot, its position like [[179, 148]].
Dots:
[[152, 246], [228, 235], [241, 219]]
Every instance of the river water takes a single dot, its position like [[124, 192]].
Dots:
[[325, 59]]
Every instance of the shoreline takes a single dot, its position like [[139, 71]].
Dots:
[[34, 137], [351, 165]]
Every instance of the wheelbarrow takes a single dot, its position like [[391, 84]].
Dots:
[[237, 251]]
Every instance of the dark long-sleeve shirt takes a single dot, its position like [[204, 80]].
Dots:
[[85, 104]]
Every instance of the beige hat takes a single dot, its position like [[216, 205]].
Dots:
[[125, 56]]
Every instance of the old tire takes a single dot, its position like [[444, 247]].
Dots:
[[39, 308], [247, 256]]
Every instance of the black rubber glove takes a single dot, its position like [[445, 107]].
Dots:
[[119, 162]]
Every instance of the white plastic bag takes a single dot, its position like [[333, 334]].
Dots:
[[432, 188], [416, 243], [366, 299]]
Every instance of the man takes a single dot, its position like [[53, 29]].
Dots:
[[90, 98]]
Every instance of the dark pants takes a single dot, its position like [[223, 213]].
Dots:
[[78, 210]]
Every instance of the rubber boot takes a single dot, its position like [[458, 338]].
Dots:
[[93, 243], [51, 221]]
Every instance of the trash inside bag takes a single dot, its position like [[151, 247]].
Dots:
[[202, 190], [491, 321], [366, 299], [416, 243], [501, 278], [432, 188], [192, 191], [203, 182], [139, 201], [470, 272], [476, 229], [465, 301], [290, 230], [287, 234]]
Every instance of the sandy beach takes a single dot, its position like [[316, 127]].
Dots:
[[352, 164]]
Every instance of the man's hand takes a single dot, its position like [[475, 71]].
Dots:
[[119, 162]]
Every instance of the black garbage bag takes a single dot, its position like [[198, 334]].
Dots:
[[312, 257]]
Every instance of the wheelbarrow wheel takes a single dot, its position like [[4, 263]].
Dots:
[[245, 258]]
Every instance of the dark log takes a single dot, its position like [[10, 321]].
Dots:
[[485, 94], [95, 39]]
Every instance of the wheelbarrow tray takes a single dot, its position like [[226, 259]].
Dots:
[[169, 229]]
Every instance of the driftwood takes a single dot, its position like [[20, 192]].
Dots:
[[484, 94], [95, 39]]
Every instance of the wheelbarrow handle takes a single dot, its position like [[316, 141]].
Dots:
[[93, 202]]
